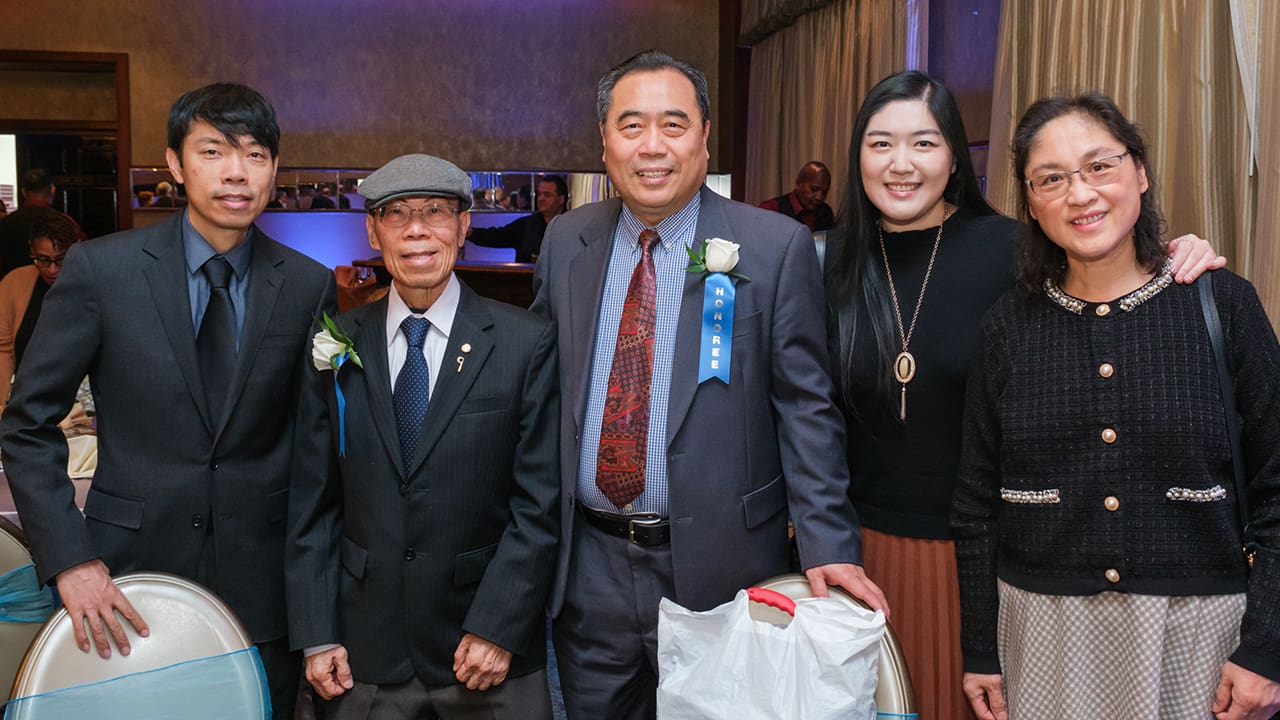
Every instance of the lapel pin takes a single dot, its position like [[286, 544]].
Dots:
[[466, 348]]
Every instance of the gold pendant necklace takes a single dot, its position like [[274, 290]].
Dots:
[[904, 365]]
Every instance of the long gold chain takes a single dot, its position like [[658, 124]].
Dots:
[[904, 365]]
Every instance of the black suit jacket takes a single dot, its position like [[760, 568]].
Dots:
[[167, 469], [397, 563]]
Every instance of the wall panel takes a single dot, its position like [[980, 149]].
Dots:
[[494, 85]]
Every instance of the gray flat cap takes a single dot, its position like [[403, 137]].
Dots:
[[410, 175]]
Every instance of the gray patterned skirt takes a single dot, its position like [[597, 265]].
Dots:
[[1114, 655]]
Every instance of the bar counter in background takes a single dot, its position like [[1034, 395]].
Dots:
[[338, 237]]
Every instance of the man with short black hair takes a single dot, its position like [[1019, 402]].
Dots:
[[674, 487], [525, 234], [194, 335]]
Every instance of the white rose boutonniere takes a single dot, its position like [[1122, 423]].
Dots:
[[716, 256], [330, 350], [716, 260]]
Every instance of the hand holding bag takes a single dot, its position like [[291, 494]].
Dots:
[[724, 664]]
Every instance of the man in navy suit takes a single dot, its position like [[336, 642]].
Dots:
[[673, 487], [425, 531], [193, 333]]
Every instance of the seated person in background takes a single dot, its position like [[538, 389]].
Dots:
[[22, 291], [38, 191], [807, 203], [323, 201], [280, 201], [525, 234], [165, 196]]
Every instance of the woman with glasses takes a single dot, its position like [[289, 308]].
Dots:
[[917, 260], [1095, 518], [22, 290]]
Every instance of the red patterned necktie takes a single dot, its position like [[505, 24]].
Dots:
[[624, 433]]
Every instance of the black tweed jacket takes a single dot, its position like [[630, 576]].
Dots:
[[1096, 457]]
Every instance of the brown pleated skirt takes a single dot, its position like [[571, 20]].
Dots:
[[919, 580]]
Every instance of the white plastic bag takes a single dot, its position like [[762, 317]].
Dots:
[[724, 664]]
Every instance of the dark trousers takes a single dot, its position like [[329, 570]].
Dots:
[[606, 637], [284, 672], [520, 698]]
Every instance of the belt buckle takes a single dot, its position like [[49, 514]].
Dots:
[[644, 523]]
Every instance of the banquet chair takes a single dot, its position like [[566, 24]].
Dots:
[[198, 663], [895, 698], [14, 636]]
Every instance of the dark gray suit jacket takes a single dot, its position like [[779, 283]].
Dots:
[[120, 313], [397, 563], [742, 457]]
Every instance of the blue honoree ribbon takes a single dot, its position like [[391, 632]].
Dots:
[[717, 328], [22, 599], [338, 360], [231, 686]]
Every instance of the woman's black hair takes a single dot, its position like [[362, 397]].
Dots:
[[861, 309], [1039, 259]]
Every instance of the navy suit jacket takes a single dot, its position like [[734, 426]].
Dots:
[[395, 562], [167, 468], [741, 458]]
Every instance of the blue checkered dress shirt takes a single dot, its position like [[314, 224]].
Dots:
[[670, 261]]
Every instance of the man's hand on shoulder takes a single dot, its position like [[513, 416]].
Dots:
[[90, 596], [850, 577], [479, 663], [329, 673]]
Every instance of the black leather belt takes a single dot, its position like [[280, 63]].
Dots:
[[646, 530]]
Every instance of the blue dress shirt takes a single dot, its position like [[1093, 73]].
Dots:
[[197, 250], [670, 261]]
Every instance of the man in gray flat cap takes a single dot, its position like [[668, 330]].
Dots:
[[423, 533]]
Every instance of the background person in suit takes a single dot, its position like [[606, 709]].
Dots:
[[194, 335], [687, 494], [525, 234], [422, 556]]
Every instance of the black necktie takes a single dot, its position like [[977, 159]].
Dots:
[[216, 341], [413, 389]]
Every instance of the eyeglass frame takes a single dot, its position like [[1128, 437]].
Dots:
[[42, 261], [439, 202], [1029, 182]]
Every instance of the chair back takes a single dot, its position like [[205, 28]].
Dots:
[[14, 636], [189, 625], [895, 696]]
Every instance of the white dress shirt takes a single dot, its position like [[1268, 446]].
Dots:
[[440, 315]]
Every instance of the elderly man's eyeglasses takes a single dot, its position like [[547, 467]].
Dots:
[[44, 261], [434, 214], [1095, 173]]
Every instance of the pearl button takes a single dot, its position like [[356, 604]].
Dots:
[[1112, 503], [1106, 370], [1108, 436], [1112, 575], [1103, 310]]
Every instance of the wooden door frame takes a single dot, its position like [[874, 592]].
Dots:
[[115, 63]]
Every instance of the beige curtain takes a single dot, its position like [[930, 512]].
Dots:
[[806, 83], [1171, 67], [1259, 253]]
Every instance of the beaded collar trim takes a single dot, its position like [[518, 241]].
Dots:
[[1126, 303]]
